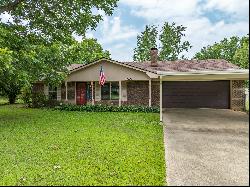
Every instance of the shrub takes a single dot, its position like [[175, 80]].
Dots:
[[52, 103], [38, 100], [26, 96], [107, 108]]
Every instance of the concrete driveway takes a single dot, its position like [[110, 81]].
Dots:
[[206, 147]]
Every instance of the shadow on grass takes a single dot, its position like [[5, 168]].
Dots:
[[14, 116]]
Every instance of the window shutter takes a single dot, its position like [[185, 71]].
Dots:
[[97, 92], [46, 90], [59, 94], [124, 91]]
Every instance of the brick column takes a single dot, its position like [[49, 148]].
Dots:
[[237, 95]]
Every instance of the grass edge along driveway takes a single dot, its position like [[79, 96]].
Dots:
[[45, 147]]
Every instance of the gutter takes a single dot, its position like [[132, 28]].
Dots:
[[236, 72]]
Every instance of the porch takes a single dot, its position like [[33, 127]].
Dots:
[[146, 93]]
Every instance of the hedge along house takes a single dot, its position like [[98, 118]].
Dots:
[[167, 84]]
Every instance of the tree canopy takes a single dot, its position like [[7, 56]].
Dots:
[[170, 38], [241, 56], [86, 51], [28, 58], [38, 44], [233, 49], [57, 19], [171, 42], [145, 41]]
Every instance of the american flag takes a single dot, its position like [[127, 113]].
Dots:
[[102, 77]]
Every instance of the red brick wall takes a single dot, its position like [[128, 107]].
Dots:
[[155, 93], [137, 93]]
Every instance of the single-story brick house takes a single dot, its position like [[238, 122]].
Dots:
[[168, 84]]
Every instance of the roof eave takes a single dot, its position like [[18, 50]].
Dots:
[[209, 72]]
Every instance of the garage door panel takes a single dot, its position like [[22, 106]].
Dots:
[[198, 94], [190, 93]]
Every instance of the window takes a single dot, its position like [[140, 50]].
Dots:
[[89, 91], [52, 92], [106, 91], [115, 91], [110, 91]]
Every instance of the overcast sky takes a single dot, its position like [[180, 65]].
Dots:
[[207, 21]]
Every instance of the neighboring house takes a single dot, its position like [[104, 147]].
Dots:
[[169, 84]]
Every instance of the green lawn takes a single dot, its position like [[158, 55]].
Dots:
[[45, 147]]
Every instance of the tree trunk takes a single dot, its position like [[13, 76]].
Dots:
[[12, 98]]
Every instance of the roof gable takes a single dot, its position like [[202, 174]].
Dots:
[[114, 71], [75, 67]]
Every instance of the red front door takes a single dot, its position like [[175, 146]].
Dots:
[[80, 93]]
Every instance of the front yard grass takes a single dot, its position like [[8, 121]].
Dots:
[[46, 147]]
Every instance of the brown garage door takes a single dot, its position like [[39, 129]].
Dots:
[[196, 94]]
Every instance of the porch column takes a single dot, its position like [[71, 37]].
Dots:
[[230, 94], [120, 93], [92, 93], [161, 118], [150, 93], [66, 90]]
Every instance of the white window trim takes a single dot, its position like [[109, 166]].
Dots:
[[54, 91], [110, 91]]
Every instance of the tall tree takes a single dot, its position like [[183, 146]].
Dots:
[[241, 56], [11, 78], [233, 49], [25, 62], [86, 51], [145, 41], [171, 42], [28, 58], [57, 19], [225, 49], [170, 39]]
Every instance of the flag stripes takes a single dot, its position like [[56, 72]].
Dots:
[[102, 77]]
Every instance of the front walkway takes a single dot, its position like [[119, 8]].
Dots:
[[206, 147]]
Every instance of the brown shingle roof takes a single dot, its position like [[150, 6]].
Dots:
[[176, 66], [74, 66], [184, 65]]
